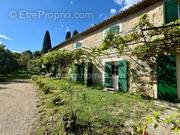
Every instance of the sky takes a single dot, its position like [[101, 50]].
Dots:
[[23, 22]]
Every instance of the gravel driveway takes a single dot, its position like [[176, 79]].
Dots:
[[17, 107]]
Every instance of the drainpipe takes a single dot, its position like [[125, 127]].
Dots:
[[178, 75]]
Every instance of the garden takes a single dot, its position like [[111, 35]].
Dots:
[[72, 108]]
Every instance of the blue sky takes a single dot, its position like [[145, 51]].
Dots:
[[24, 22]]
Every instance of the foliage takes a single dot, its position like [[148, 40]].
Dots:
[[37, 54], [35, 65], [46, 43], [149, 44], [173, 121], [24, 58], [75, 33], [61, 59], [68, 35], [8, 61], [97, 112], [143, 45]]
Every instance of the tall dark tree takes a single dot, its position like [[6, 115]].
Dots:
[[68, 35], [75, 33], [46, 42]]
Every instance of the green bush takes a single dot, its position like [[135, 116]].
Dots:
[[45, 89], [58, 101]]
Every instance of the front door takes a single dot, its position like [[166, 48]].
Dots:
[[123, 76], [166, 78]]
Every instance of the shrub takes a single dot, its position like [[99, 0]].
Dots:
[[45, 89], [58, 101]]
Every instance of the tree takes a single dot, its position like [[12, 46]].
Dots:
[[68, 35], [8, 61], [24, 58], [46, 43], [75, 33], [37, 54]]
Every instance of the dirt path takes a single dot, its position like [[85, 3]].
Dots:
[[17, 107]]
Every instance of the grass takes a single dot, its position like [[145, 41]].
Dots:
[[19, 74], [106, 113]]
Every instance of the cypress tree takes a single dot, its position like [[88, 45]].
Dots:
[[68, 35], [46, 42], [75, 33]]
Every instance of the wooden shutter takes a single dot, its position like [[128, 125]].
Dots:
[[108, 75], [171, 10], [123, 75], [115, 29], [81, 72], [90, 73], [74, 72], [77, 44], [166, 78]]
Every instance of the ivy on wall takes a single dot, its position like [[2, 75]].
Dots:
[[149, 40]]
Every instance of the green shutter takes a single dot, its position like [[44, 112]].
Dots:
[[171, 10], [114, 30], [81, 72], [108, 75], [166, 78], [77, 44], [89, 75], [123, 75], [74, 72]]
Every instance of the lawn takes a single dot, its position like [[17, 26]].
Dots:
[[19, 74], [98, 111]]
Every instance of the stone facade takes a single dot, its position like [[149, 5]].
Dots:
[[145, 81], [155, 12]]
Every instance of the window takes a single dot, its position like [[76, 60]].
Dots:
[[115, 29], [171, 11], [77, 45]]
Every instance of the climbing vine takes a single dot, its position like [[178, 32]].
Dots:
[[150, 41]]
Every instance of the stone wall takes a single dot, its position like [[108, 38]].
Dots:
[[94, 39]]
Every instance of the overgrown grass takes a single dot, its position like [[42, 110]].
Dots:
[[105, 112], [19, 74]]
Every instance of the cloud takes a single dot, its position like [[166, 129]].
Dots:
[[1, 42], [113, 11], [119, 2], [129, 3], [4, 37], [126, 3]]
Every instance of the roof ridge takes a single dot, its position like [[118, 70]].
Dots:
[[134, 8]]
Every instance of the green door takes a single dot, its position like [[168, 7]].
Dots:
[[78, 73], [170, 10], [81, 73], [90, 74], [123, 76], [108, 75], [74, 72], [166, 78]]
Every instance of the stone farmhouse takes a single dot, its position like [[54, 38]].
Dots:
[[117, 72]]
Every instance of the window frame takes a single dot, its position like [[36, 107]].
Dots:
[[109, 28], [77, 47]]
